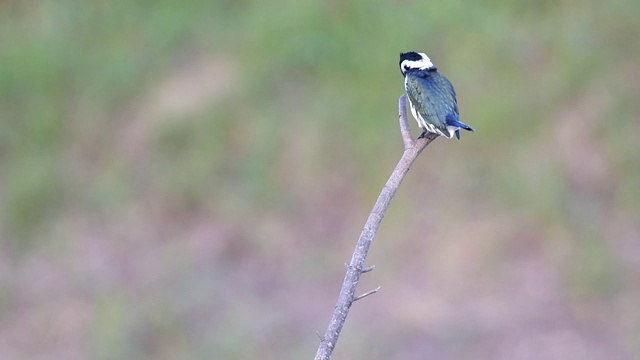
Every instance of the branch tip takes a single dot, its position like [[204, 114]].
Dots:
[[405, 128]]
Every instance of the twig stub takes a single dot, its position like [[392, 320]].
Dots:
[[368, 269], [366, 294]]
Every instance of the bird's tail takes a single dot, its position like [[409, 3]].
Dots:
[[451, 121]]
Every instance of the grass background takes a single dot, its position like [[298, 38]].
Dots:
[[186, 180]]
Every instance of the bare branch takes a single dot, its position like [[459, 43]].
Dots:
[[413, 148]]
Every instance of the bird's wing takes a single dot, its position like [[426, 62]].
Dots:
[[433, 96]]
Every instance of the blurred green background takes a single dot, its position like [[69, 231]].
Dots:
[[186, 180]]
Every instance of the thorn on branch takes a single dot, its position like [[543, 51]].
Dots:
[[366, 294], [320, 336]]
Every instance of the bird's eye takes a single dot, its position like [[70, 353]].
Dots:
[[405, 67]]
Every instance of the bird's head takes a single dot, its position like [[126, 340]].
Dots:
[[414, 60]]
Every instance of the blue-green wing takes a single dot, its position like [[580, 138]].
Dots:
[[433, 96]]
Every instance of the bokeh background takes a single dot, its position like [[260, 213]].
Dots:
[[186, 180]]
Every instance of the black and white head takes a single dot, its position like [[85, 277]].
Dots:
[[414, 60]]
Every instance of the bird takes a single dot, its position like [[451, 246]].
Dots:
[[432, 97]]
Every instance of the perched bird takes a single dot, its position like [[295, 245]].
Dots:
[[431, 96]]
